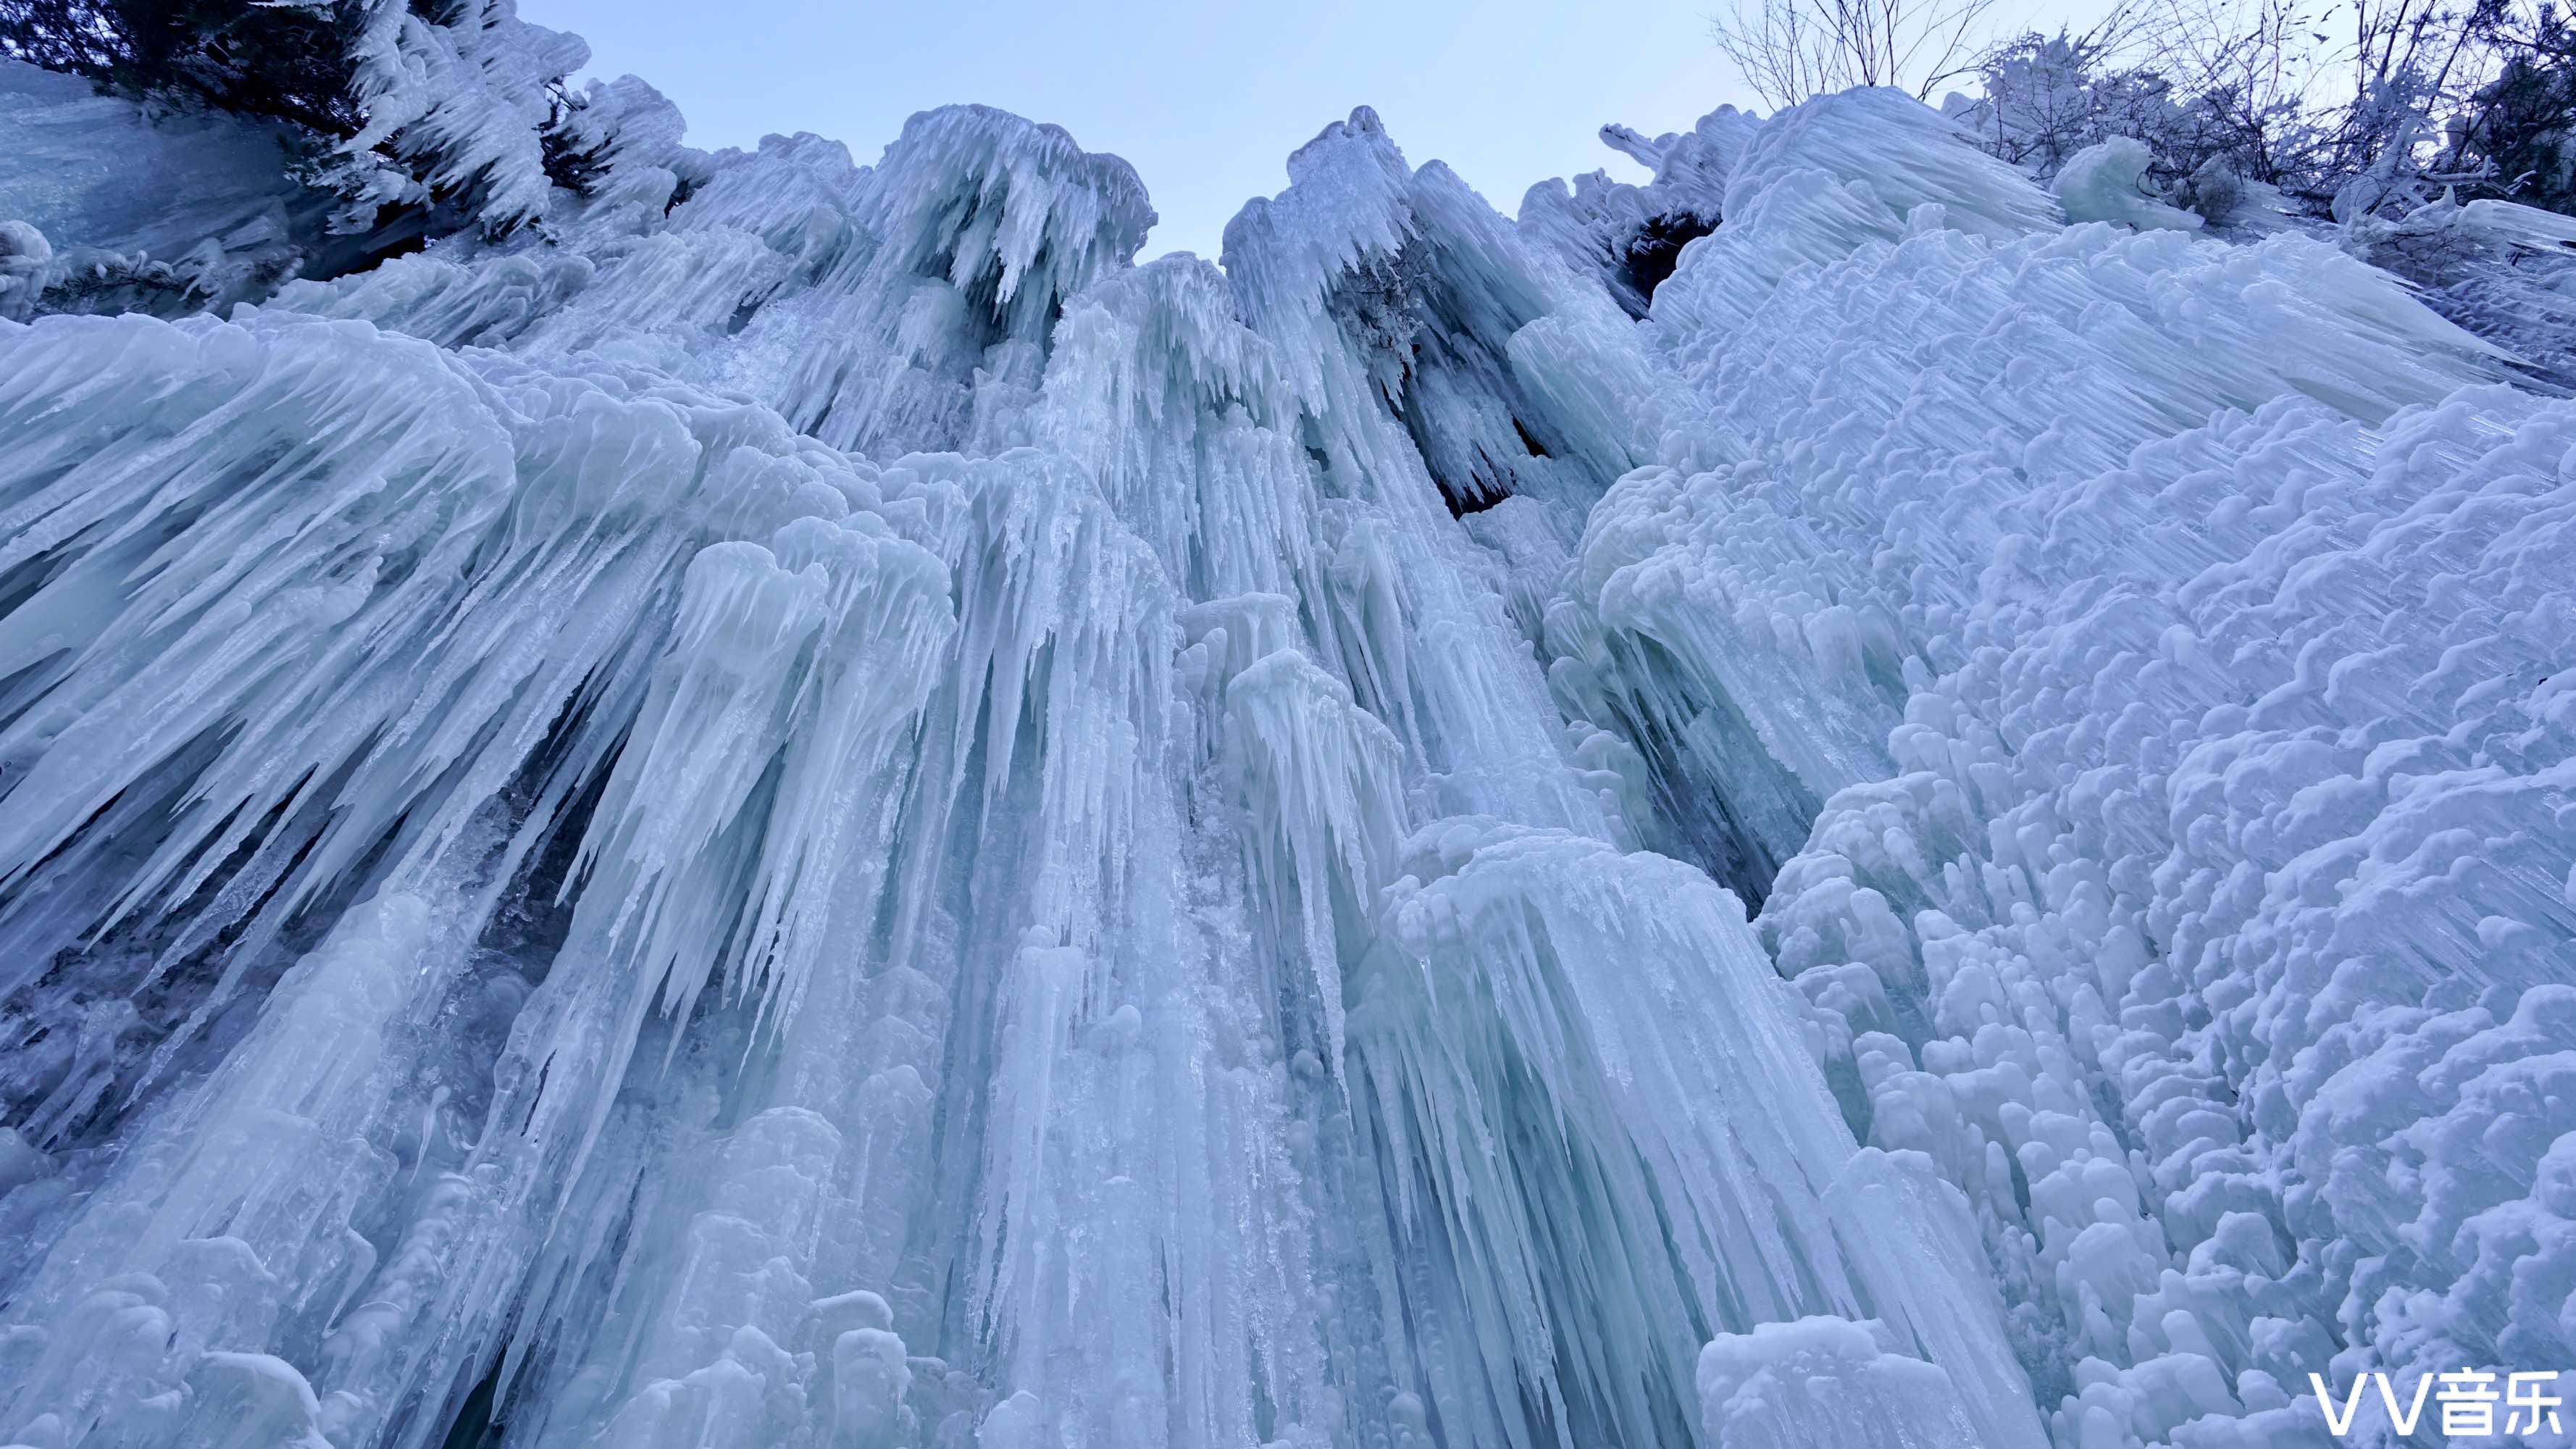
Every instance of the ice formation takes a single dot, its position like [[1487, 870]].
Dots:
[[792, 804]]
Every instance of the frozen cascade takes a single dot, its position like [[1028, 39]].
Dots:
[[794, 804]]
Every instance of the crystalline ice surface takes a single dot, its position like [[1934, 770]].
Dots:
[[798, 806]]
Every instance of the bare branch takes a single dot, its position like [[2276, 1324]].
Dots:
[[1788, 50]]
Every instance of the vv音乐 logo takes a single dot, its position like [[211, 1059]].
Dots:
[[2468, 1403]]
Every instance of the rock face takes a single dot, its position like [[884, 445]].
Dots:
[[796, 806]]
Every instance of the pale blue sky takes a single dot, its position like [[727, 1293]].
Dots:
[[1205, 100]]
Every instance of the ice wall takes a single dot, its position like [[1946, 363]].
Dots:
[[2155, 645], [799, 806]]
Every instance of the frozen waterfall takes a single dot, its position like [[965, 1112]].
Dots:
[[795, 805]]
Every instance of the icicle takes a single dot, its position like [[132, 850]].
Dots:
[[770, 803]]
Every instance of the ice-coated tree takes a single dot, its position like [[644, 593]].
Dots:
[[446, 108], [289, 62]]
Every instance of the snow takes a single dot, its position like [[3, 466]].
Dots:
[[1824, 1382], [2106, 182], [1834, 800]]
